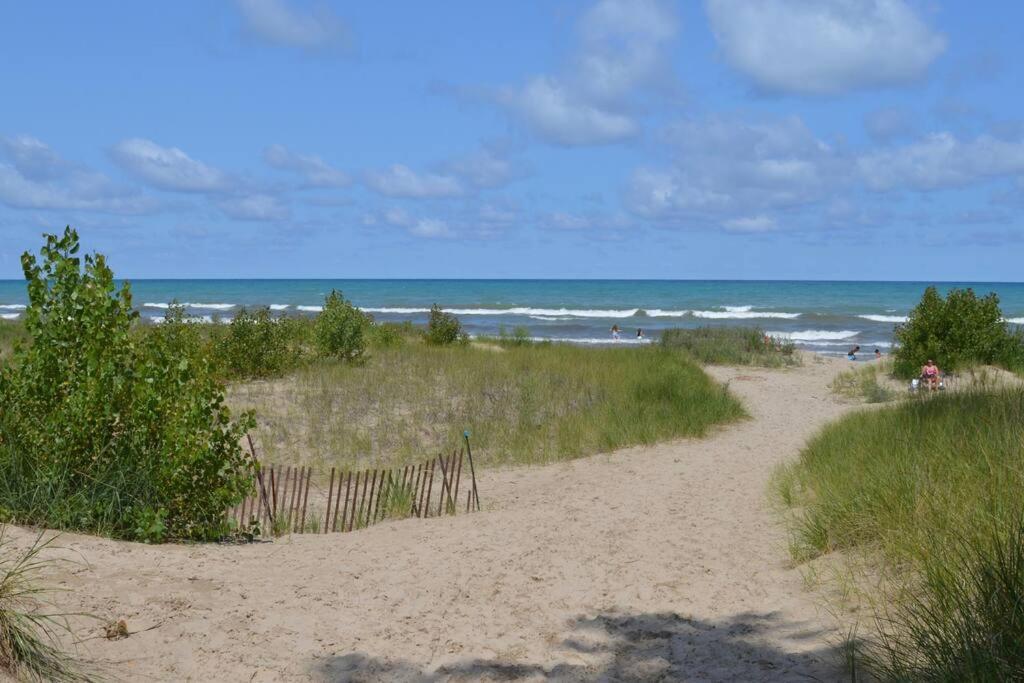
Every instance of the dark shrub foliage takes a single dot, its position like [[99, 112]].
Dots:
[[341, 329], [444, 328], [257, 345], [955, 331], [107, 431]]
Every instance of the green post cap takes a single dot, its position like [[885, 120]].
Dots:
[[466, 433]]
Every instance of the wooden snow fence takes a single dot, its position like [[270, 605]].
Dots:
[[292, 499]]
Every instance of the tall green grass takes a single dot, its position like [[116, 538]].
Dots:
[[531, 403], [731, 346], [931, 492], [29, 642]]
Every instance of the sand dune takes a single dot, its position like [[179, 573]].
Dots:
[[649, 563]]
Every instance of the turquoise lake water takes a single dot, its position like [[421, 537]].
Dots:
[[827, 317]]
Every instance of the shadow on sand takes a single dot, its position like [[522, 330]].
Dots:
[[642, 647]]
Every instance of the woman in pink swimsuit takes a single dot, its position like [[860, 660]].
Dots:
[[930, 374]]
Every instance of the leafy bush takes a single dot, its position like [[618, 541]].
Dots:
[[107, 431], [256, 345], [391, 335], [444, 328], [731, 346], [341, 329], [955, 331]]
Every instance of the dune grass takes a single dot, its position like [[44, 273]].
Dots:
[[731, 346], [522, 404], [930, 492], [868, 382], [29, 643]]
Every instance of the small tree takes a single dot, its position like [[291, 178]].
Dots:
[[256, 345], [341, 329], [105, 430], [444, 328], [954, 331]]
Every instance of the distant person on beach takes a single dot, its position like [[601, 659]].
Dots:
[[878, 354], [639, 333], [615, 332], [930, 374], [852, 353]]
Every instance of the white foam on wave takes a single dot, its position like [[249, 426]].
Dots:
[[550, 312], [204, 319], [865, 345], [200, 306], [815, 335], [738, 309], [743, 315], [10, 316], [662, 313], [884, 318], [1015, 321], [13, 307], [310, 309], [278, 307]]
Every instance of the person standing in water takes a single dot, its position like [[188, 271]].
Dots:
[[852, 353], [639, 333], [615, 332]]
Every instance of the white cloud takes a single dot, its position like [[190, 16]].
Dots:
[[402, 181], [751, 224], [728, 169], [255, 207], [824, 46], [38, 178], [567, 221], [167, 168], [888, 123], [941, 161], [275, 22], [485, 168], [431, 228], [315, 171], [622, 48], [560, 116]]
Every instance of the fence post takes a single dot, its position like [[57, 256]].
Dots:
[[472, 470], [330, 494]]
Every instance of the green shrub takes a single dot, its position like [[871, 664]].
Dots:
[[104, 430], [256, 345], [341, 329], [956, 331], [444, 328], [731, 346], [390, 335]]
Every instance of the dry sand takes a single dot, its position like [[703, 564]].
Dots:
[[650, 563]]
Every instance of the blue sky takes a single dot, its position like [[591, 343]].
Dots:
[[803, 139]]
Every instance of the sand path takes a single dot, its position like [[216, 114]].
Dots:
[[652, 563]]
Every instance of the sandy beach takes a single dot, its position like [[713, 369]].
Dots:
[[649, 563]]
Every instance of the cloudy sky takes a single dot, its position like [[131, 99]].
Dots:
[[803, 139]]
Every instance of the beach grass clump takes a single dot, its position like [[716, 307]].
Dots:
[[731, 346], [29, 633], [868, 383], [12, 333], [521, 403], [930, 492], [106, 431], [956, 331]]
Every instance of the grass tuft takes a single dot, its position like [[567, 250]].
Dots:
[[732, 346], [29, 635]]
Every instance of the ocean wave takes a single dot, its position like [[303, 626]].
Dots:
[[815, 335], [885, 318], [310, 309], [205, 319], [13, 307], [202, 307], [523, 311], [661, 313], [278, 307], [10, 316], [743, 315], [1015, 321]]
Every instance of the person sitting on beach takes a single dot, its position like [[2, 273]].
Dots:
[[852, 353], [615, 332], [930, 374]]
